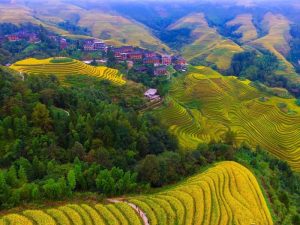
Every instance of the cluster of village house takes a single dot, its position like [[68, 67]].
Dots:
[[129, 54], [132, 54], [33, 38]]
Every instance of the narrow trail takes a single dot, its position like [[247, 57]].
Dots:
[[22, 76], [136, 208], [66, 112], [152, 105]]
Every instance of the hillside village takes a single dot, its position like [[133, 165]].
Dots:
[[33, 38], [94, 50], [138, 56], [97, 52]]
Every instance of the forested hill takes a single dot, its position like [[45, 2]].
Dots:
[[45, 126]]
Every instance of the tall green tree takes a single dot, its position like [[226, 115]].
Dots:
[[40, 117], [149, 170], [3, 189], [11, 177], [105, 182], [71, 179], [22, 175]]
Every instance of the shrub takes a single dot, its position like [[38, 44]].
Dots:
[[282, 105], [61, 60]]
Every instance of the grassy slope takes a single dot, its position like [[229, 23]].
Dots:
[[227, 193], [116, 26], [20, 14], [247, 29], [49, 14], [207, 42], [15, 14], [277, 41], [120, 29], [203, 105], [64, 69]]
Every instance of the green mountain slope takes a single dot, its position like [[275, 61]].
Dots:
[[16, 14], [207, 44], [104, 24], [277, 40], [246, 27], [204, 105]]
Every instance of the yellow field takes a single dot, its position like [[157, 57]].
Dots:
[[247, 29], [208, 43], [45, 66], [227, 193], [203, 105]]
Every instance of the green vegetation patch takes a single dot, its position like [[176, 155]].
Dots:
[[194, 104], [61, 60]]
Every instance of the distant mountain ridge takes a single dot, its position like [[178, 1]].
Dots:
[[107, 25], [203, 32]]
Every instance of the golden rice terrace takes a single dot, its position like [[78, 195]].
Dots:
[[228, 193], [66, 66], [204, 105]]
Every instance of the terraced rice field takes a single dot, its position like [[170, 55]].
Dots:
[[227, 193], [63, 69], [208, 45], [226, 102]]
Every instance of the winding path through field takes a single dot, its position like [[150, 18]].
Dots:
[[136, 208]]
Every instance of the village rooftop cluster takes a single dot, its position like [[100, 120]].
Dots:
[[135, 57], [132, 55], [33, 38]]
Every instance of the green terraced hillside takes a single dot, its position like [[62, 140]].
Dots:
[[204, 105], [207, 44]]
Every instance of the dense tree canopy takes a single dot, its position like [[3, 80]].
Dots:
[[261, 66], [45, 126]]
